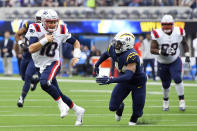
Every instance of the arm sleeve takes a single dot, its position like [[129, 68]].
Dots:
[[103, 57], [123, 78], [33, 40], [71, 40]]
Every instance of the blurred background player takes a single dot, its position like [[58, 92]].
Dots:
[[45, 40], [27, 68], [195, 52], [165, 45], [148, 58], [131, 79]]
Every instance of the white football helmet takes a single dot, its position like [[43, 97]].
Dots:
[[39, 15], [167, 23], [123, 41], [50, 20]]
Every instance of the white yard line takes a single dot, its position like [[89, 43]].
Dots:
[[91, 81], [90, 115], [114, 125]]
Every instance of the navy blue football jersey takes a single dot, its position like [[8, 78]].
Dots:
[[127, 57], [26, 53]]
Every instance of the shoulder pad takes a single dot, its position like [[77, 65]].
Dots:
[[37, 27], [132, 58], [155, 33], [63, 29]]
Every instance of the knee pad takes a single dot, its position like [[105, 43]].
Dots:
[[44, 83], [177, 80], [112, 108], [166, 84]]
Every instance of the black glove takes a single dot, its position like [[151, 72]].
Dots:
[[103, 80], [187, 59], [96, 70]]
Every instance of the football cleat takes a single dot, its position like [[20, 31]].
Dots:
[[118, 114], [132, 123], [79, 113], [182, 105], [20, 102], [33, 85], [117, 117], [63, 109], [165, 105]]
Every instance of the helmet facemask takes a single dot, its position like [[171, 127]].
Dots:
[[51, 25], [167, 27]]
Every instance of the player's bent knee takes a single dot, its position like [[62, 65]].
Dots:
[[165, 85], [112, 108], [44, 83], [177, 80]]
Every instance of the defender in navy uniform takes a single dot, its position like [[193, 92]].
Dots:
[[27, 67], [131, 77]]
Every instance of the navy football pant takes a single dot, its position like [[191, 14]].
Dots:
[[122, 90], [27, 70], [151, 62], [49, 83], [167, 72]]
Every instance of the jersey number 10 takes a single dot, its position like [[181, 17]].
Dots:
[[49, 49]]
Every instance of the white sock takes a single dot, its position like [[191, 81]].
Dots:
[[166, 92], [75, 107], [59, 100], [179, 89]]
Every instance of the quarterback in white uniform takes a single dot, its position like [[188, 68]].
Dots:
[[165, 45], [45, 39]]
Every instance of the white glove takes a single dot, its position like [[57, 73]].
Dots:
[[20, 42], [170, 51], [77, 53]]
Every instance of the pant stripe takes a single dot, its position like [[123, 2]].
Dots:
[[54, 70]]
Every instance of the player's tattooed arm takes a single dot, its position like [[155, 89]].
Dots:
[[185, 45], [155, 48], [18, 34]]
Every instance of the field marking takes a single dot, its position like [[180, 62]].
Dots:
[[26, 106], [90, 81], [89, 115], [114, 125]]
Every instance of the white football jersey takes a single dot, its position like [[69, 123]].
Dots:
[[165, 41], [49, 52]]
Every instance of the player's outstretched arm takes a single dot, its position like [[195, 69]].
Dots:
[[19, 33], [130, 70]]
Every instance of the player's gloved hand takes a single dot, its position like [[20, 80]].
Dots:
[[22, 44], [187, 58], [103, 80], [96, 70], [166, 52]]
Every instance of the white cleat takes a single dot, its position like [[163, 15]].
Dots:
[[165, 105], [132, 123], [63, 109], [79, 113], [117, 117], [182, 105], [20, 102]]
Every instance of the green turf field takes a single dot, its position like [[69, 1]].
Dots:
[[41, 113]]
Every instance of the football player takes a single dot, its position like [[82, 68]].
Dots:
[[131, 77], [45, 39], [27, 68], [165, 45]]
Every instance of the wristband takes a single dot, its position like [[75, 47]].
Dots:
[[159, 52], [186, 53], [43, 41], [77, 53]]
